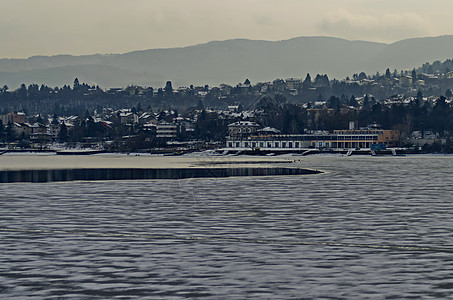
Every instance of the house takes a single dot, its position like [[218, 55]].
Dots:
[[405, 80], [293, 83], [21, 129], [39, 133], [128, 117], [235, 108], [242, 129], [54, 130], [13, 117], [146, 118], [106, 125], [150, 129]]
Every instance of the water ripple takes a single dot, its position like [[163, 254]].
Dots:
[[368, 228]]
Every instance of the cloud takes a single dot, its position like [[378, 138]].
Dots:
[[117, 26], [385, 28]]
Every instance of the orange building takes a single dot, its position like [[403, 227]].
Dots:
[[357, 138]]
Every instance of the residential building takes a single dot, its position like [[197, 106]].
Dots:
[[13, 117], [166, 130], [242, 129]]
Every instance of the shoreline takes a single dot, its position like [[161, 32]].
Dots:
[[219, 152]]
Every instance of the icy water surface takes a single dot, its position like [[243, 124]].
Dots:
[[368, 228]]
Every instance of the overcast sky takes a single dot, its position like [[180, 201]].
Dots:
[[49, 27]]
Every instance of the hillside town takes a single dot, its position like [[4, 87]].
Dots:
[[415, 106], [169, 132]]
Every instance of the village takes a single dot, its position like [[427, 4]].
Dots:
[[236, 130], [410, 109]]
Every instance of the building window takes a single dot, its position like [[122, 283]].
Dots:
[[296, 145], [261, 144], [230, 144], [238, 144], [253, 145], [283, 144], [277, 145], [269, 145], [246, 144], [290, 145]]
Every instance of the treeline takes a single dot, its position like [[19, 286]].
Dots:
[[435, 117], [80, 97], [277, 109], [66, 100], [436, 67], [418, 115]]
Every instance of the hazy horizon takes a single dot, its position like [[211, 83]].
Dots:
[[218, 40], [53, 27]]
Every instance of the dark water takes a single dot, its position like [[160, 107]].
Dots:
[[369, 228]]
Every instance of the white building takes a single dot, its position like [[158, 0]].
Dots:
[[242, 129], [166, 130]]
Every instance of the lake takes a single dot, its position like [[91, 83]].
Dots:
[[367, 228]]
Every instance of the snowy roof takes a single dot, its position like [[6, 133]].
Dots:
[[146, 115], [244, 123], [269, 129]]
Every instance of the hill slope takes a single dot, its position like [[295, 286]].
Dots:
[[228, 61]]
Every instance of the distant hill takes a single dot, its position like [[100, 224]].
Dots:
[[95, 74], [228, 61], [412, 53]]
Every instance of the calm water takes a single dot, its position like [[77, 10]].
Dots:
[[369, 228]]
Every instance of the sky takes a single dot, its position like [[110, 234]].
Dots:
[[51, 27]]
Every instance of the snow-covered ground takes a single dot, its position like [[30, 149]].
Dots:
[[27, 161]]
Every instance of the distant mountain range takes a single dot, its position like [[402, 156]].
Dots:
[[230, 61]]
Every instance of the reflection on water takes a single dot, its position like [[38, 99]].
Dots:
[[341, 234]]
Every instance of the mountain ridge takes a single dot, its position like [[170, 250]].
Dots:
[[229, 61]]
